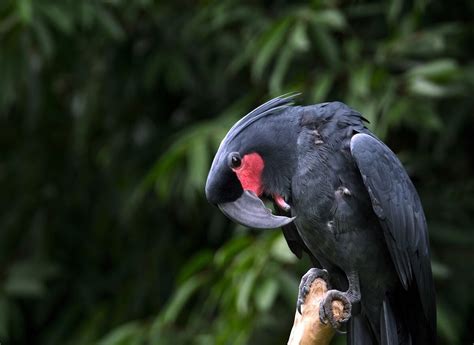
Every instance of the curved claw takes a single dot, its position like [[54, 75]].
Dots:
[[306, 282], [326, 314]]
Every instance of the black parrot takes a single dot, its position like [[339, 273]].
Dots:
[[344, 198]]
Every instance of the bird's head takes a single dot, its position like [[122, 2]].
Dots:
[[255, 160]]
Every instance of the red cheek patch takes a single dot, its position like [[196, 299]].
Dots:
[[250, 173]]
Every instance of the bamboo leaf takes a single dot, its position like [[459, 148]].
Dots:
[[181, 297], [25, 11], [268, 45], [281, 252], [330, 18], [266, 294], [128, 334], [245, 291]]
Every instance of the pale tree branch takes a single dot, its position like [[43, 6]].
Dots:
[[307, 327]]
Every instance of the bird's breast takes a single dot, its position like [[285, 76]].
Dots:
[[336, 223]]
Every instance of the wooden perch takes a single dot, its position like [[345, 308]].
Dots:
[[307, 328]]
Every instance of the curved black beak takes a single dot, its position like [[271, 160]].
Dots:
[[250, 211]]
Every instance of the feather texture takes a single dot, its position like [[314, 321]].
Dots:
[[398, 207]]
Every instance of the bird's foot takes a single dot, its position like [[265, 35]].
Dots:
[[326, 314], [306, 283]]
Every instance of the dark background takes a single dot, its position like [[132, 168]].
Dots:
[[110, 112]]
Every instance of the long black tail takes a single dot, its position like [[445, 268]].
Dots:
[[402, 322], [359, 332]]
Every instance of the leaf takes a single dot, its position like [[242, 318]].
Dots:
[[288, 285], [448, 324], [281, 252], [58, 17], [298, 41], [265, 294], [441, 69], [426, 88], [360, 80], [110, 24], [299, 37], [230, 249], [394, 10], [332, 19], [195, 264], [268, 46], [244, 292], [440, 270], [25, 11], [86, 14], [24, 286], [27, 279], [243, 57], [181, 297], [322, 87], [129, 334], [283, 61], [44, 38], [326, 46], [198, 163]]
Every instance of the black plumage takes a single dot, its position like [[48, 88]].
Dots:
[[358, 215]]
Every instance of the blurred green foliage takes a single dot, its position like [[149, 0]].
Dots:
[[110, 112]]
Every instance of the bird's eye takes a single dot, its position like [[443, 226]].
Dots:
[[234, 160]]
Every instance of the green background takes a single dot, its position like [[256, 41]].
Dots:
[[111, 111]]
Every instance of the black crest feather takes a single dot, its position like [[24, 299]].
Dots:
[[273, 106]]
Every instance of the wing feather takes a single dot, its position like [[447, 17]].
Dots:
[[398, 207]]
